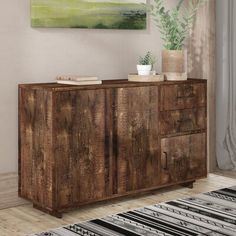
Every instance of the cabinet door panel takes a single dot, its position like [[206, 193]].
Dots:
[[80, 146], [183, 158], [136, 138], [35, 170]]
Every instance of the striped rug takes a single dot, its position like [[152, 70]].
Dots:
[[212, 213]]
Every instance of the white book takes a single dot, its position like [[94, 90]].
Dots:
[[77, 78], [71, 82]]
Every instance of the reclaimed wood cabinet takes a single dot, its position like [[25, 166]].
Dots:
[[83, 144]]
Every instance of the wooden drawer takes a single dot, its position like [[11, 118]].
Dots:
[[182, 96], [173, 122]]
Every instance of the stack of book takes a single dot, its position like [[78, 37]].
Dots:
[[78, 80]]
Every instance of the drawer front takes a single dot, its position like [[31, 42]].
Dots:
[[174, 122], [182, 96]]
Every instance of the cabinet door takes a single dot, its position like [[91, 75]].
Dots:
[[183, 158], [135, 138], [80, 146]]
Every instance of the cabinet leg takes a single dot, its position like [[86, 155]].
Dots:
[[188, 184], [54, 213]]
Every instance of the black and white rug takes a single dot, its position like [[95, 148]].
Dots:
[[212, 214]]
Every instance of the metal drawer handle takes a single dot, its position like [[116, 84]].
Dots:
[[185, 120], [166, 161], [187, 92], [182, 97]]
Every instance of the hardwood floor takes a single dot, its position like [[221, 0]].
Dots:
[[22, 220], [8, 191]]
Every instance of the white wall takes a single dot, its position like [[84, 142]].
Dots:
[[38, 55]]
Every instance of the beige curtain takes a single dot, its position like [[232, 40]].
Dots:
[[226, 85]]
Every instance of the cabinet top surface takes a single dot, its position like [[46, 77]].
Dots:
[[105, 84]]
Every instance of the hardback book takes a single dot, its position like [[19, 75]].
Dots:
[[77, 78], [84, 82]]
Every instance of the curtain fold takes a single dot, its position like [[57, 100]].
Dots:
[[226, 85]]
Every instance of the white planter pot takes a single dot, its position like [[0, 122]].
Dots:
[[144, 69]]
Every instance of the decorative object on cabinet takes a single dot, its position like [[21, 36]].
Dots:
[[100, 14], [146, 64], [78, 80], [145, 78], [174, 26], [85, 82], [174, 64], [83, 144]]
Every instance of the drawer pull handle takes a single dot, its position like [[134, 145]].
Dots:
[[185, 120], [185, 92], [182, 97], [166, 161]]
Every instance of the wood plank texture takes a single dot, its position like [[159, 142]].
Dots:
[[80, 145], [8, 191], [183, 158], [35, 149], [137, 132], [180, 121], [182, 96], [105, 84]]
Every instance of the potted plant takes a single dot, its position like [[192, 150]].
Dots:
[[174, 26], [146, 64]]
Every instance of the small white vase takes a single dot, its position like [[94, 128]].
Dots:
[[144, 69]]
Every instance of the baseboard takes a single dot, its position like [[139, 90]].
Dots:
[[225, 173]]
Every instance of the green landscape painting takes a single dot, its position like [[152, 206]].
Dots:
[[96, 14]]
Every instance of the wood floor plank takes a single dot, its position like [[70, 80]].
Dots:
[[9, 191], [24, 219]]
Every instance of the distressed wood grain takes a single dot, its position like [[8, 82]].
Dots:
[[35, 154], [79, 145], [181, 121], [182, 96], [183, 158], [137, 143]]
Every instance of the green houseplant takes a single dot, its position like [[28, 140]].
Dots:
[[146, 64], [174, 26]]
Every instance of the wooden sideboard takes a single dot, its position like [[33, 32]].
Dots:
[[83, 144]]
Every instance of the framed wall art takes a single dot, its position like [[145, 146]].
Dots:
[[92, 14]]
